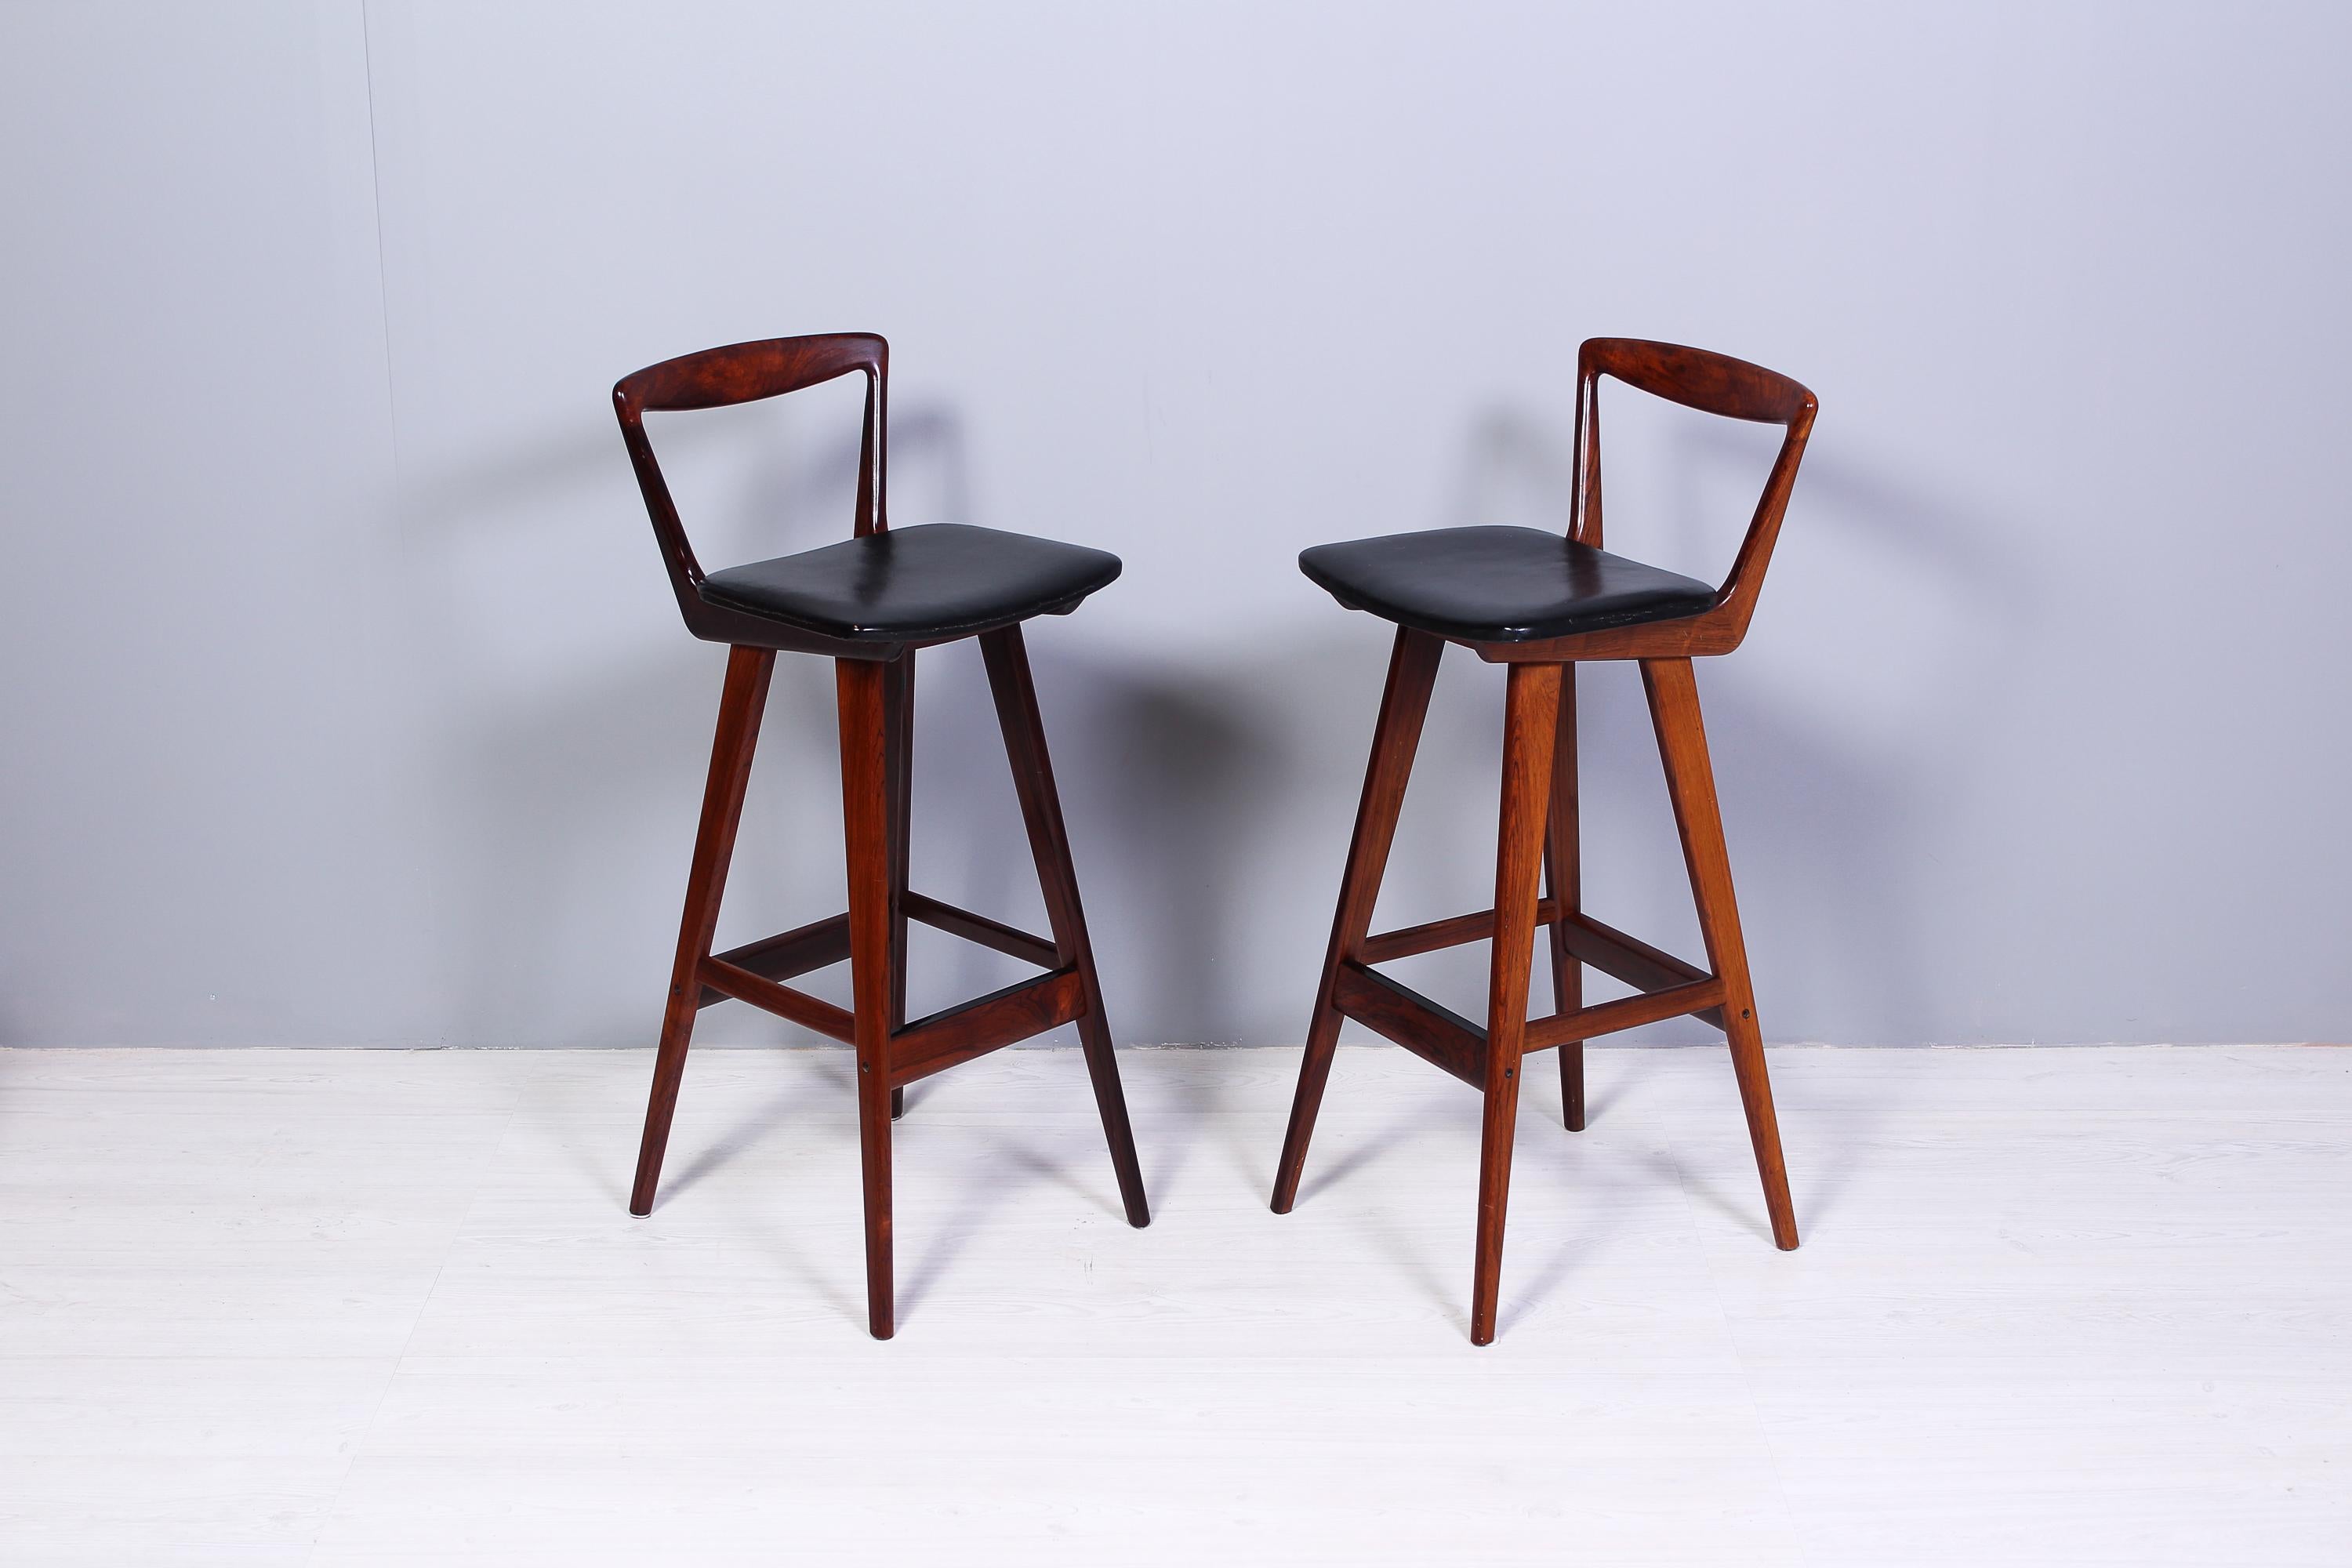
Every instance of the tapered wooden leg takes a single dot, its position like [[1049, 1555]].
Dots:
[[1690, 779], [1405, 704], [740, 705], [866, 821], [898, 700], [1530, 720], [1564, 874], [1007, 657]]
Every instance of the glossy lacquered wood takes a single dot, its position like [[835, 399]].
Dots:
[[1009, 681], [1690, 781], [745, 372], [1563, 874], [1711, 384], [1539, 822], [1530, 713], [1413, 671], [740, 705], [875, 594], [875, 683]]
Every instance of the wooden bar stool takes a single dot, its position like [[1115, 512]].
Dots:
[[1540, 604], [867, 603]]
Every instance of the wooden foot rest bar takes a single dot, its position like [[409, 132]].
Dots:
[[1395, 944], [1626, 1013], [979, 929], [823, 944], [1629, 958], [1444, 1038], [732, 980], [813, 946], [938, 1042], [1438, 1035], [928, 1045]]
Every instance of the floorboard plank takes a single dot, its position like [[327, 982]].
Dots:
[[2077, 1305]]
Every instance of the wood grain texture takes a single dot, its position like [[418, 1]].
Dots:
[[1627, 958], [1701, 996], [867, 829], [742, 700], [2072, 1305], [1406, 941], [1530, 717], [1564, 880], [985, 1023], [876, 687], [1538, 842], [899, 769], [987, 933], [747, 372], [1712, 383], [809, 1012], [816, 946], [1404, 705], [1014, 690], [1673, 691], [1438, 1035]]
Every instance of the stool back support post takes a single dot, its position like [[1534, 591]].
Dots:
[[750, 372], [1710, 384]]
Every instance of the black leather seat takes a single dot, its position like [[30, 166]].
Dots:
[[1499, 585], [929, 583]]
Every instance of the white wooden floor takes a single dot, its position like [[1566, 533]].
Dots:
[[2062, 1306]]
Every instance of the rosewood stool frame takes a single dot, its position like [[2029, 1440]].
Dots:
[[875, 688], [1537, 838]]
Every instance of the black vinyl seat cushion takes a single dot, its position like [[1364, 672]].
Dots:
[[934, 581], [1499, 585]]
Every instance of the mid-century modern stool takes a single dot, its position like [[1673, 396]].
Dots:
[[867, 603], [1540, 604]]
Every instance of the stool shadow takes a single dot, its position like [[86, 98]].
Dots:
[[567, 801], [980, 1199], [1822, 815]]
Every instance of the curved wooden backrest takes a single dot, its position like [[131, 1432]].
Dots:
[[1695, 378], [746, 373], [1711, 384]]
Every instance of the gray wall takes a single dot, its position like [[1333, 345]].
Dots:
[[345, 703]]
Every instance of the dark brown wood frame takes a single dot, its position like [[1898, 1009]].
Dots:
[[876, 694], [1537, 837]]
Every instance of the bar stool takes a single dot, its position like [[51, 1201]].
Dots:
[[1540, 604], [867, 603]]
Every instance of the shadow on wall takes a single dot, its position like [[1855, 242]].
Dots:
[[1888, 633], [1195, 793], [571, 785], [1176, 771], [1210, 795]]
